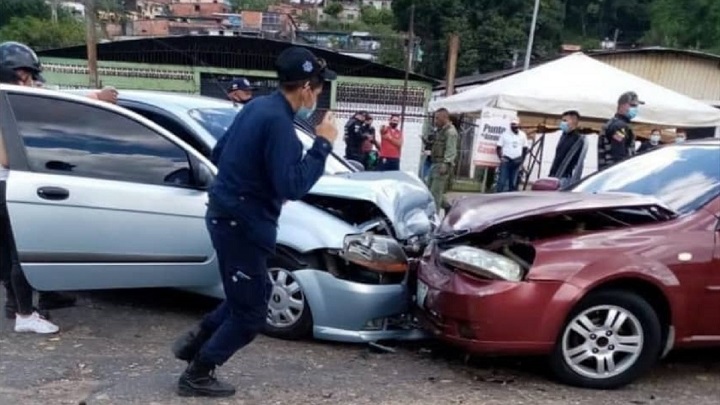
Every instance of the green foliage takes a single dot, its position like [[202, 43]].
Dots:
[[254, 5], [374, 17], [22, 8], [40, 33], [691, 24], [333, 9]]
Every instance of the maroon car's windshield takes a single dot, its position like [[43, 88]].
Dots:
[[684, 177]]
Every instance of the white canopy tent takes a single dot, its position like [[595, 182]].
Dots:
[[579, 82]]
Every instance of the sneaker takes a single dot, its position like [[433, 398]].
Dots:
[[34, 323]]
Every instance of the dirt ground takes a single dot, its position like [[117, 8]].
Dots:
[[114, 349]]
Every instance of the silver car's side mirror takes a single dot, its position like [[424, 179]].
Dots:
[[356, 165]]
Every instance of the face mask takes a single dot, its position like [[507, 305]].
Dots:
[[393, 125], [632, 112], [564, 127], [679, 139], [654, 139], [305, 112]]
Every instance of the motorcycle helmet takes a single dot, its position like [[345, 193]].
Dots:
[[14, 55]]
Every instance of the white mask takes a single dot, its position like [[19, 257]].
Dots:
[[655, 138]]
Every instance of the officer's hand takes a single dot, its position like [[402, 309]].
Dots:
[[108, 94], [443, 169], [326, 128]]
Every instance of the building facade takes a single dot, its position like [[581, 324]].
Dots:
[[206, 65]]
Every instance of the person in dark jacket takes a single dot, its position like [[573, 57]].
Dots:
[[652, 143], [240, 91], [617, 140], [569, 148], [355, 136], [26, 70], [260, 166]]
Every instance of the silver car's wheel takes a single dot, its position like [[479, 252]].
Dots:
[[287, 301], [602, 342]]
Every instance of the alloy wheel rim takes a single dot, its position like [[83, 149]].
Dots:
[[287, 301], [602, 342]]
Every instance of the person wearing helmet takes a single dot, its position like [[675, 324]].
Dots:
[[23, 62]]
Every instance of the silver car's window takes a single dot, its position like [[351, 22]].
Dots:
[[65, 137], [217, 120], [685, 177]]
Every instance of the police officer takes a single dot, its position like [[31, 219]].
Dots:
[[240, 91], [23, 61], [617, 140], [260, 166], [442, 156], [355, 137]]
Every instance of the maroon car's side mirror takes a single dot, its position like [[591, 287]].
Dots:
[[546, 184]]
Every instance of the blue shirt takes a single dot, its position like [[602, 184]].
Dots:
[[261, 165]]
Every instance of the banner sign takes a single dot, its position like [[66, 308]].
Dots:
[[492, 124]]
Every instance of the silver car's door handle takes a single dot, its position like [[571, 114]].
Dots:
[[53, 193]]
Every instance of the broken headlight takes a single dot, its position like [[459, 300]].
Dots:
[[482, 263], [375, 252]]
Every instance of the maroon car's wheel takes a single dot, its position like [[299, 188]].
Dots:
[[609, 340]]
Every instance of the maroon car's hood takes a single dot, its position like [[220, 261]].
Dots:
[[479, 212]]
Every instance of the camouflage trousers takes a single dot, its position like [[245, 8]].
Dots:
[[438, 183]]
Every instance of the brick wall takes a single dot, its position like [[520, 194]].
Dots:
[[151, 27], [198, 9]]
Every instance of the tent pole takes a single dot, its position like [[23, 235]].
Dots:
[[531, 37]]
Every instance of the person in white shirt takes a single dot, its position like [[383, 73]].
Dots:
[[512, 147]]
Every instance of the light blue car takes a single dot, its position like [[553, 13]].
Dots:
[[105, 197]]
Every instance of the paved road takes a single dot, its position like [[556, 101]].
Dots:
[[113, 349]]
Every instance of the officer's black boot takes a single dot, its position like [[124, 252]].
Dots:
[[55, 300], [199, 380], [187, 346]]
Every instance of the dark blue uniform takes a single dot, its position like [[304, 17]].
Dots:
[[260, 166]]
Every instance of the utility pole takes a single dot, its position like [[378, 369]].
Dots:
[[453, 50], [408, 65], [531, 37], [91, 39], [54, 10]]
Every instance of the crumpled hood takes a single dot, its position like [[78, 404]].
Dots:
[[477, 213], [403, 198]]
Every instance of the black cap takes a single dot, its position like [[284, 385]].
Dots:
[[297, 63], [629, 97], [240, 83]]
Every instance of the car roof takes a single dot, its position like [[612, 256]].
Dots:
[[178, 100]]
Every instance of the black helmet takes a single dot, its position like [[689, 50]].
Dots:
[[15, 55]]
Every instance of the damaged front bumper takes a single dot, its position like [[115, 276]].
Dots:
[[347, 311]]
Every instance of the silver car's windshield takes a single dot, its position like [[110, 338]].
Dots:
[[684, 177], [217, 120]]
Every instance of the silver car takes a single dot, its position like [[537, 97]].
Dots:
[[102, 197]]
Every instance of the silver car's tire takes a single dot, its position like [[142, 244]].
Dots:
[[289, 315], [609, 340]]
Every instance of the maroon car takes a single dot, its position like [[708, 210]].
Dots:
[[604, 278]]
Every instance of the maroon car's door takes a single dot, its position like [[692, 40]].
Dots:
[[712, 307]]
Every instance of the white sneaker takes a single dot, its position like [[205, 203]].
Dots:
[[34, 323]]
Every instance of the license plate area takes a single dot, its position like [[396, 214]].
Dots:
[[421, 293]]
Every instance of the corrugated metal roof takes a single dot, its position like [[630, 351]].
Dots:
[[224, 52]]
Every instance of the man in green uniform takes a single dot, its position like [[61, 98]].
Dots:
[[442, 157]]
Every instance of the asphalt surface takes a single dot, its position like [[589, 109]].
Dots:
[[113, 348]]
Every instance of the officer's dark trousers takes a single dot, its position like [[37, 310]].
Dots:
[[243, 268]]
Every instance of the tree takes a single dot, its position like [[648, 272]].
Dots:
[[254, 5], [492, 33], [40, 33], [333, 9], [22, 8], [686, 24]]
